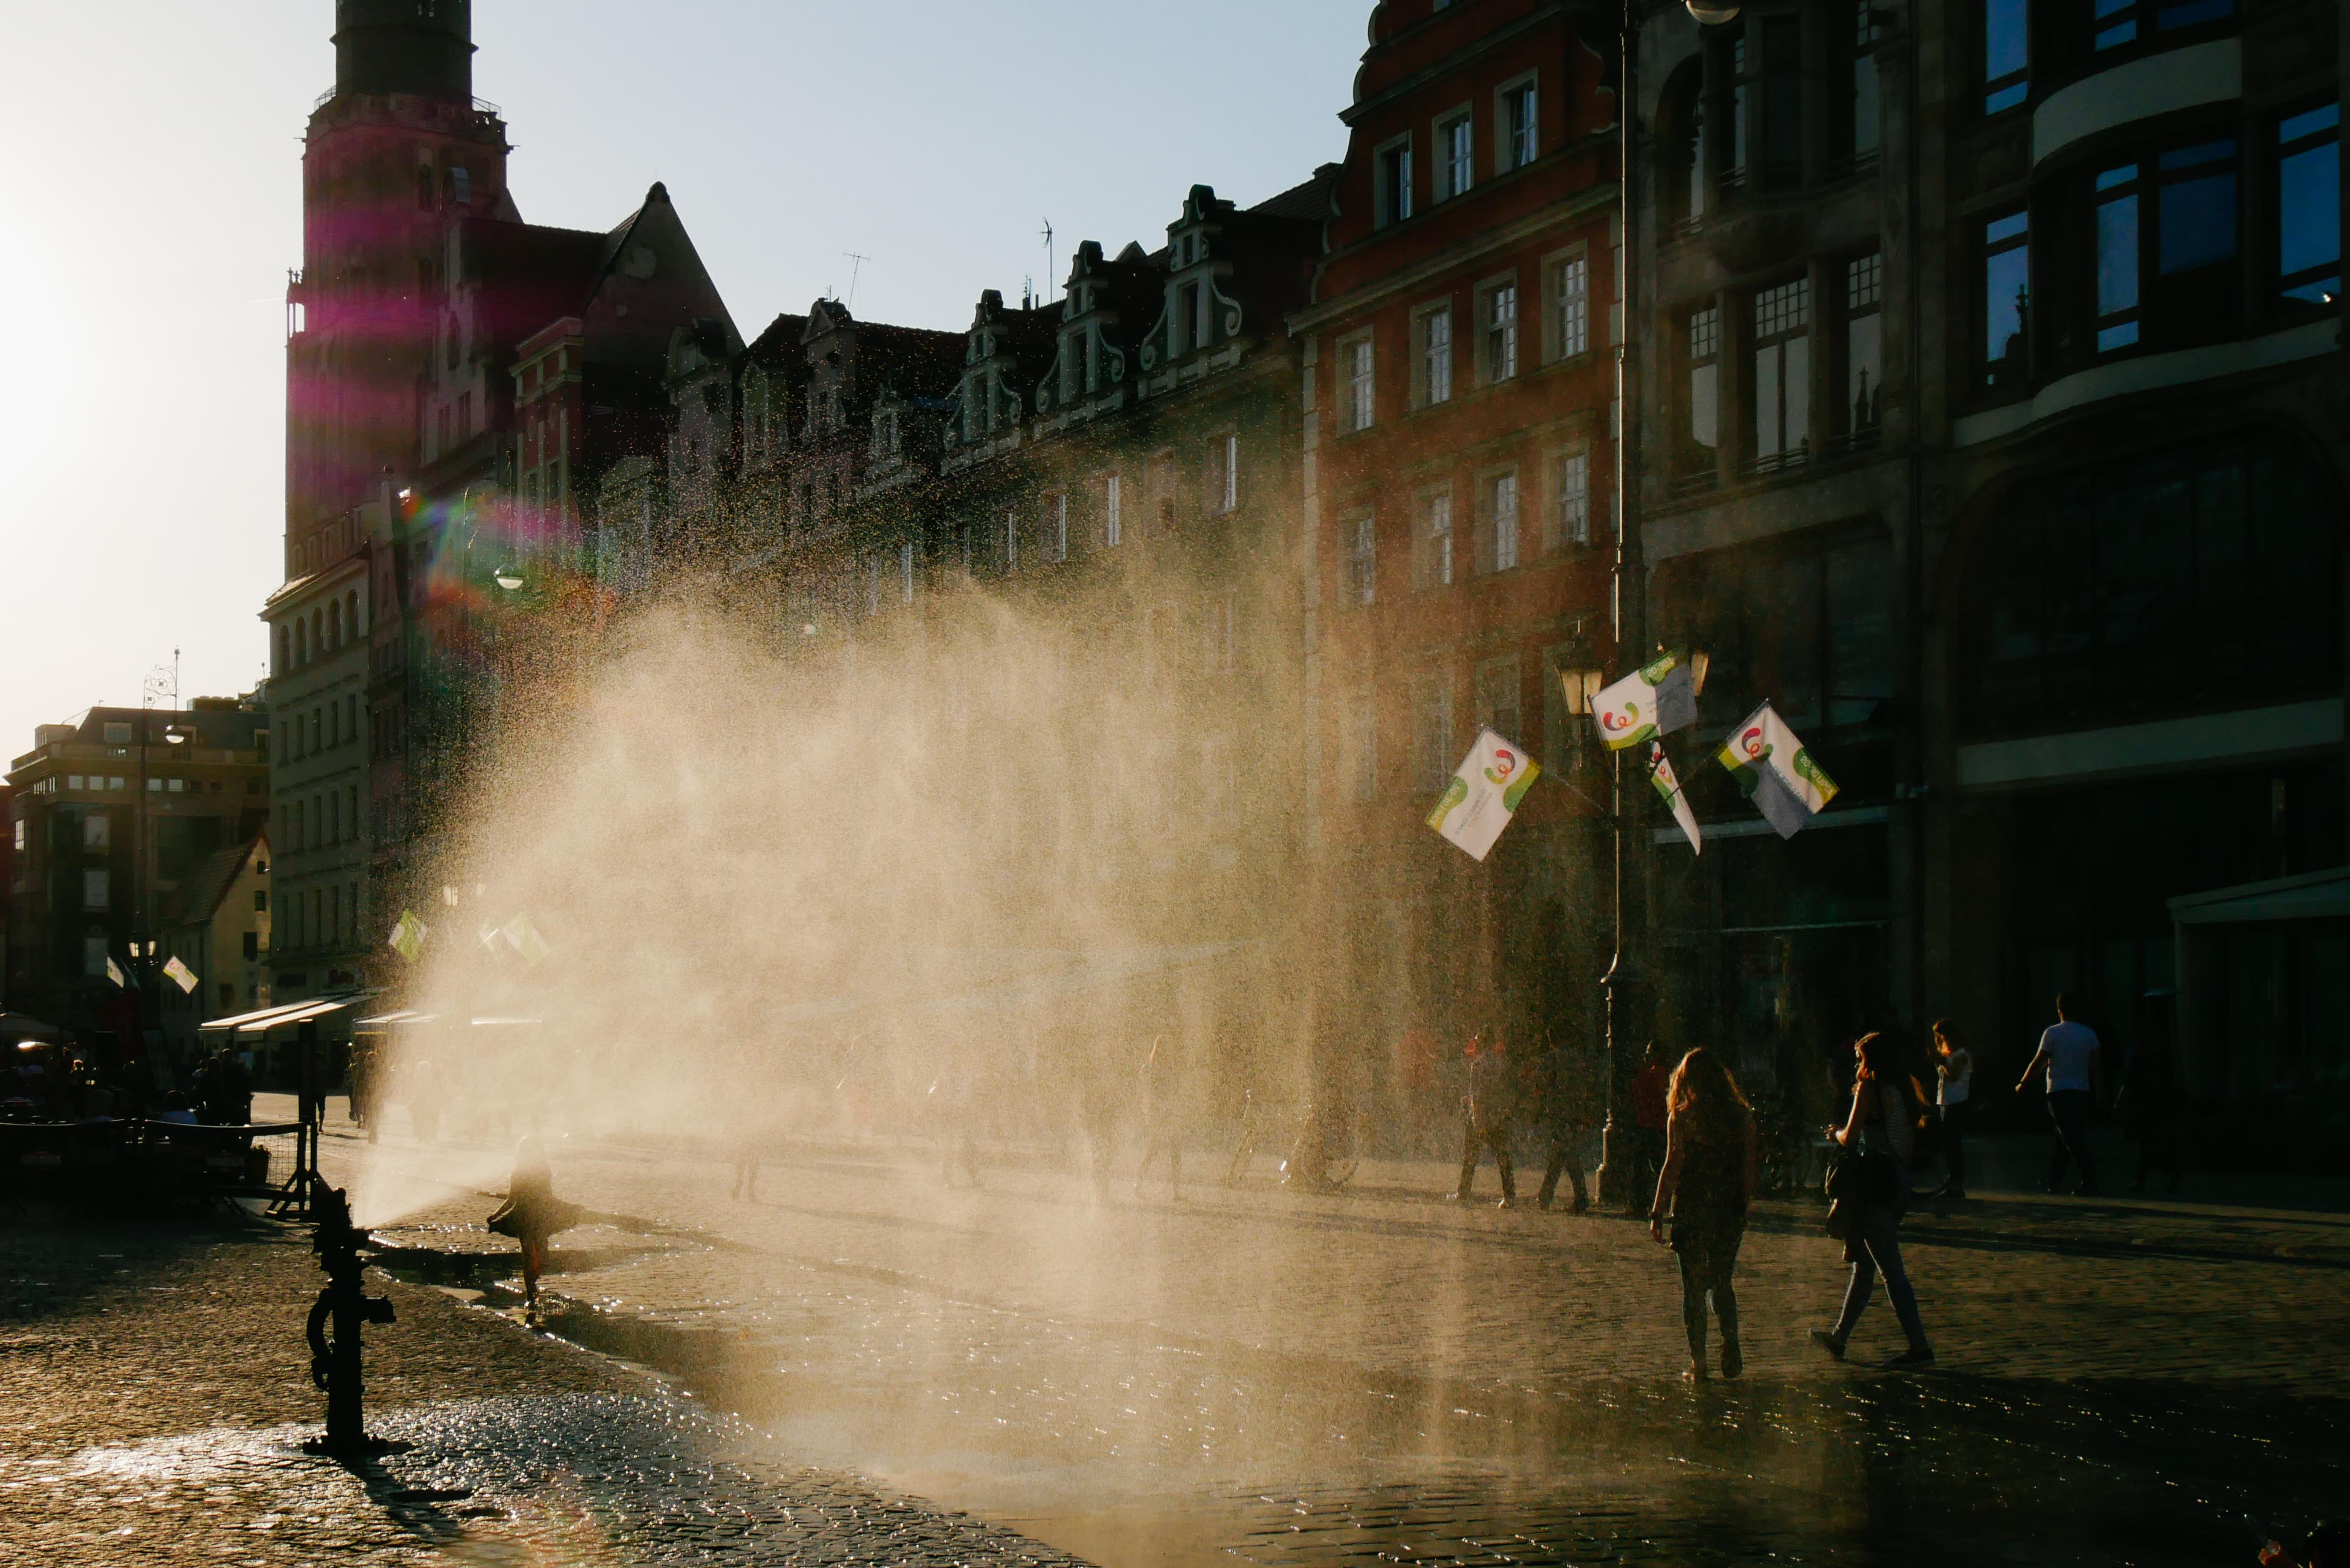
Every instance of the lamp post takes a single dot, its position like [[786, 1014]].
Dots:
[[1627, 989]]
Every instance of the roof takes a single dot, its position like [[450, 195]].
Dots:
[[199, 896], [1308, 199]]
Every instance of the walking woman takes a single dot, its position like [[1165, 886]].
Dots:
[[1706, 1185], [532, 1214], [1881, 1130]]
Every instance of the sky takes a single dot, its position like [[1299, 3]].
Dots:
[[152, 153]]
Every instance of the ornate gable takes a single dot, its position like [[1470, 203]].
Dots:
[[1199, 313]]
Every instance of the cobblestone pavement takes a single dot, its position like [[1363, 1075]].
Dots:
[[153, 1396], [1380, 1375]]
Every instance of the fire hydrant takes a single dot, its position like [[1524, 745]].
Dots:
[[335, 1363]]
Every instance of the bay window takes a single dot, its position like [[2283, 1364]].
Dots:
[[2308, 193]]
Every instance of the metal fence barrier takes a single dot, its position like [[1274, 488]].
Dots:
[[151, 1163]]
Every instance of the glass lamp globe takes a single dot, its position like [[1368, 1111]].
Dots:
[[1712, 13]]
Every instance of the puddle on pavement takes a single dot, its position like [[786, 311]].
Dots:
[[1106, 1442]]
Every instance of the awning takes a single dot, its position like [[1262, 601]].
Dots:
[[265, 1019], [2313, 895], [385, 1020]]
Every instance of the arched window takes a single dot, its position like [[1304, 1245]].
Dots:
[[301, 644], [424, 186], [318, 633], [2205, 576], [283, 662], [352, 614], [335, 626]]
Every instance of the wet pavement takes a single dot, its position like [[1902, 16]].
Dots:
[[1266, 1377]]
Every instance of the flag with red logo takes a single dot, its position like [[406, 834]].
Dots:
[[1655, 700], [1775, 771], [1484, 794]]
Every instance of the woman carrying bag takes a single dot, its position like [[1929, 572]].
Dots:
[[1870, 1187]]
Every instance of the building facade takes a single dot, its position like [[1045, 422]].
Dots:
[[112, 817], [1994, 422], [217, 926], [1459, 472]]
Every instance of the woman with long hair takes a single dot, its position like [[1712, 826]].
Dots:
[[1881, 1130], [1707, 1184]]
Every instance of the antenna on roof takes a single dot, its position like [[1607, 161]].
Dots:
[[1050, 274], [856, 261]]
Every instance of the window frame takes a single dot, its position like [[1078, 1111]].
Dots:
[[1391, 198], [1996, 379], [1553, 268], [1452, 173], [1362, 557], [1562, 533], [1494, 333], [1517, 143], [1435, 553], [1359, 387], [1486, 507], [2276, 151], [1426, 393]]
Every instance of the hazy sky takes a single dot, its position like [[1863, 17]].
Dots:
[[151, 151]]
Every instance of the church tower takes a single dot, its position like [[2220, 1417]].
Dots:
[[395, 155]]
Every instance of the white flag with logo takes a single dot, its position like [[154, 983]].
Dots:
[[114, 973], [1484, 792], [525, 941], [1655, 700], [1660, 775], [1774, 771], [180, 974]]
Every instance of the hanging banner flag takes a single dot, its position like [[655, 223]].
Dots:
[[1775, 771], [114, 973], [449, 897], [1655, 700], [1484, 791], [180, 975], [526, 940], [1660, 775], [408, 936]]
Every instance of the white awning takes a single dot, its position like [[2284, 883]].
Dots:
[[263, 1020]]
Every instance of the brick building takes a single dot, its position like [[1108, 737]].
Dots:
[[1459, 471]]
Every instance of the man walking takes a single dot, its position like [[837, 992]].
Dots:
[[1485, 1115], [2069, 1051], [1569, 1113]]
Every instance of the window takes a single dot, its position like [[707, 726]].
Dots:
[[2007, 280], [1685, 165], [1056, 526], [1223, 473], [2182, 286], [1110, 519], [94, 889], [1012, 541], [176, 785], [1520, 128], [461, 186], [1813, 627], [1435, 366], [118, 734], [93, 956], [252, 946], [1573, 518], [1363, 745], [1704, 384], [1497, 521], [1570, 307], [1355, 355], [1431, 554], [2309, 205], [1455, 166], [1391, 198], [1857, 128], [2104, 26], [261, 900], [1432, 730], [73, 781], [1362, 559], [1501, 321], [1733, 149], [1782, 101], [2162, 585], [2006, 53], [2117, 260], [464, 414], [1498, 697], [905, 571], [1782, 371], [1862, 403]]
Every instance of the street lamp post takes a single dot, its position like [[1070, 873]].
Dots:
[[1627, 989]]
